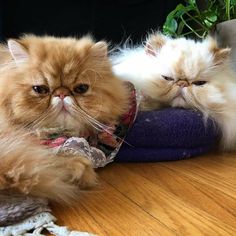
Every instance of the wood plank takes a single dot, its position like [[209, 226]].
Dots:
[[108, 212], [175, 213], [77, 218], [223, 165], [189, 197], [220, 178], [199, 195]]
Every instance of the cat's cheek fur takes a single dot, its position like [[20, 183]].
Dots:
[[26, 109], [109, 103], [219, 104], [163, 96]]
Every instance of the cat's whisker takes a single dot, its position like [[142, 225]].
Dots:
[[8, 66], [97, 108], [29, 112], [43, 116], [98, 125], [94, 125], [49, 114], [90, 118], [193, 102], [201, 107]]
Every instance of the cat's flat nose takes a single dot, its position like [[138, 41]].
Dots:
[[182, 83], [62, 93]]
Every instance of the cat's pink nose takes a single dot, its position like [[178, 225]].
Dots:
[[62, 93], [182, 83], [62, 96]]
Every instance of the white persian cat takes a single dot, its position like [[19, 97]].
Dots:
[[184, 73]]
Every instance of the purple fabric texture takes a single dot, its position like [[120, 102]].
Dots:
[[168, 135]]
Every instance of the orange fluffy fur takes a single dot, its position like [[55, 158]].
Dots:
[[60, 64]]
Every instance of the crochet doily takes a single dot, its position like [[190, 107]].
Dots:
[[34, 225]]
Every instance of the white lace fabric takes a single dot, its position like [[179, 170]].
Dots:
[[34, 225], [80, 146]]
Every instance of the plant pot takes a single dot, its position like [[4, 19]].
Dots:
[[226, 36]]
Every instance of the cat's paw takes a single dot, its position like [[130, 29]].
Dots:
[[81, 172]]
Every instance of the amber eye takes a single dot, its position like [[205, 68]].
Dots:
[[81, 88], [199, 83], [41, 89], [167, 78]]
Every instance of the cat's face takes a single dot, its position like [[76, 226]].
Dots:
[[188, 74], [60, 83]]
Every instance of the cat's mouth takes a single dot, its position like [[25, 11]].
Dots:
[[179, 95], [63, 106], [64, 109], [179, 100]]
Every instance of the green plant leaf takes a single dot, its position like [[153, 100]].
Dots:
[[178, 11], [188, 17], [210, 20], [191, 2], [233, 2], [170, 26]]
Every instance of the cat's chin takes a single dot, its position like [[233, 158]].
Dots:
[[66, 121], [179, 102]]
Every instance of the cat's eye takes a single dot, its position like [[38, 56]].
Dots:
[[41, 89], [81, 88], [167, 78], [199, 83]]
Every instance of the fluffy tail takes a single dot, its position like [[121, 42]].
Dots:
[[32, 169]]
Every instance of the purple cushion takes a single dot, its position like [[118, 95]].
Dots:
[[169, 134]]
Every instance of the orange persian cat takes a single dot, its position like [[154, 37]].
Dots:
[[48, 82]]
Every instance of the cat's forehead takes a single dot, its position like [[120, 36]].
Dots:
[[60, 63], [60, 66], [59, 72], [185, 59], [59, 54], [65, 60]]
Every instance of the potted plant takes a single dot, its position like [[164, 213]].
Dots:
[[199, 18]]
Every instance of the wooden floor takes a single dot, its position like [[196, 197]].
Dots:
[[188, 197]]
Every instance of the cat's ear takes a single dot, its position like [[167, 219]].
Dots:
[[17, 51], [99, 49], [220, 55], [154, 43]]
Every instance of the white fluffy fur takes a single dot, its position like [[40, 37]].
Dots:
[[190, 61], [65, 114], [134, 63]]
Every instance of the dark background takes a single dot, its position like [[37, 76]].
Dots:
[[113, 20]]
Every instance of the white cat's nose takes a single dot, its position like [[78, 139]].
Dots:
[[62, 93], [182, 83]]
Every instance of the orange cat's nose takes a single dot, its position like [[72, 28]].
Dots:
[[62, 93], [182, 83]]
